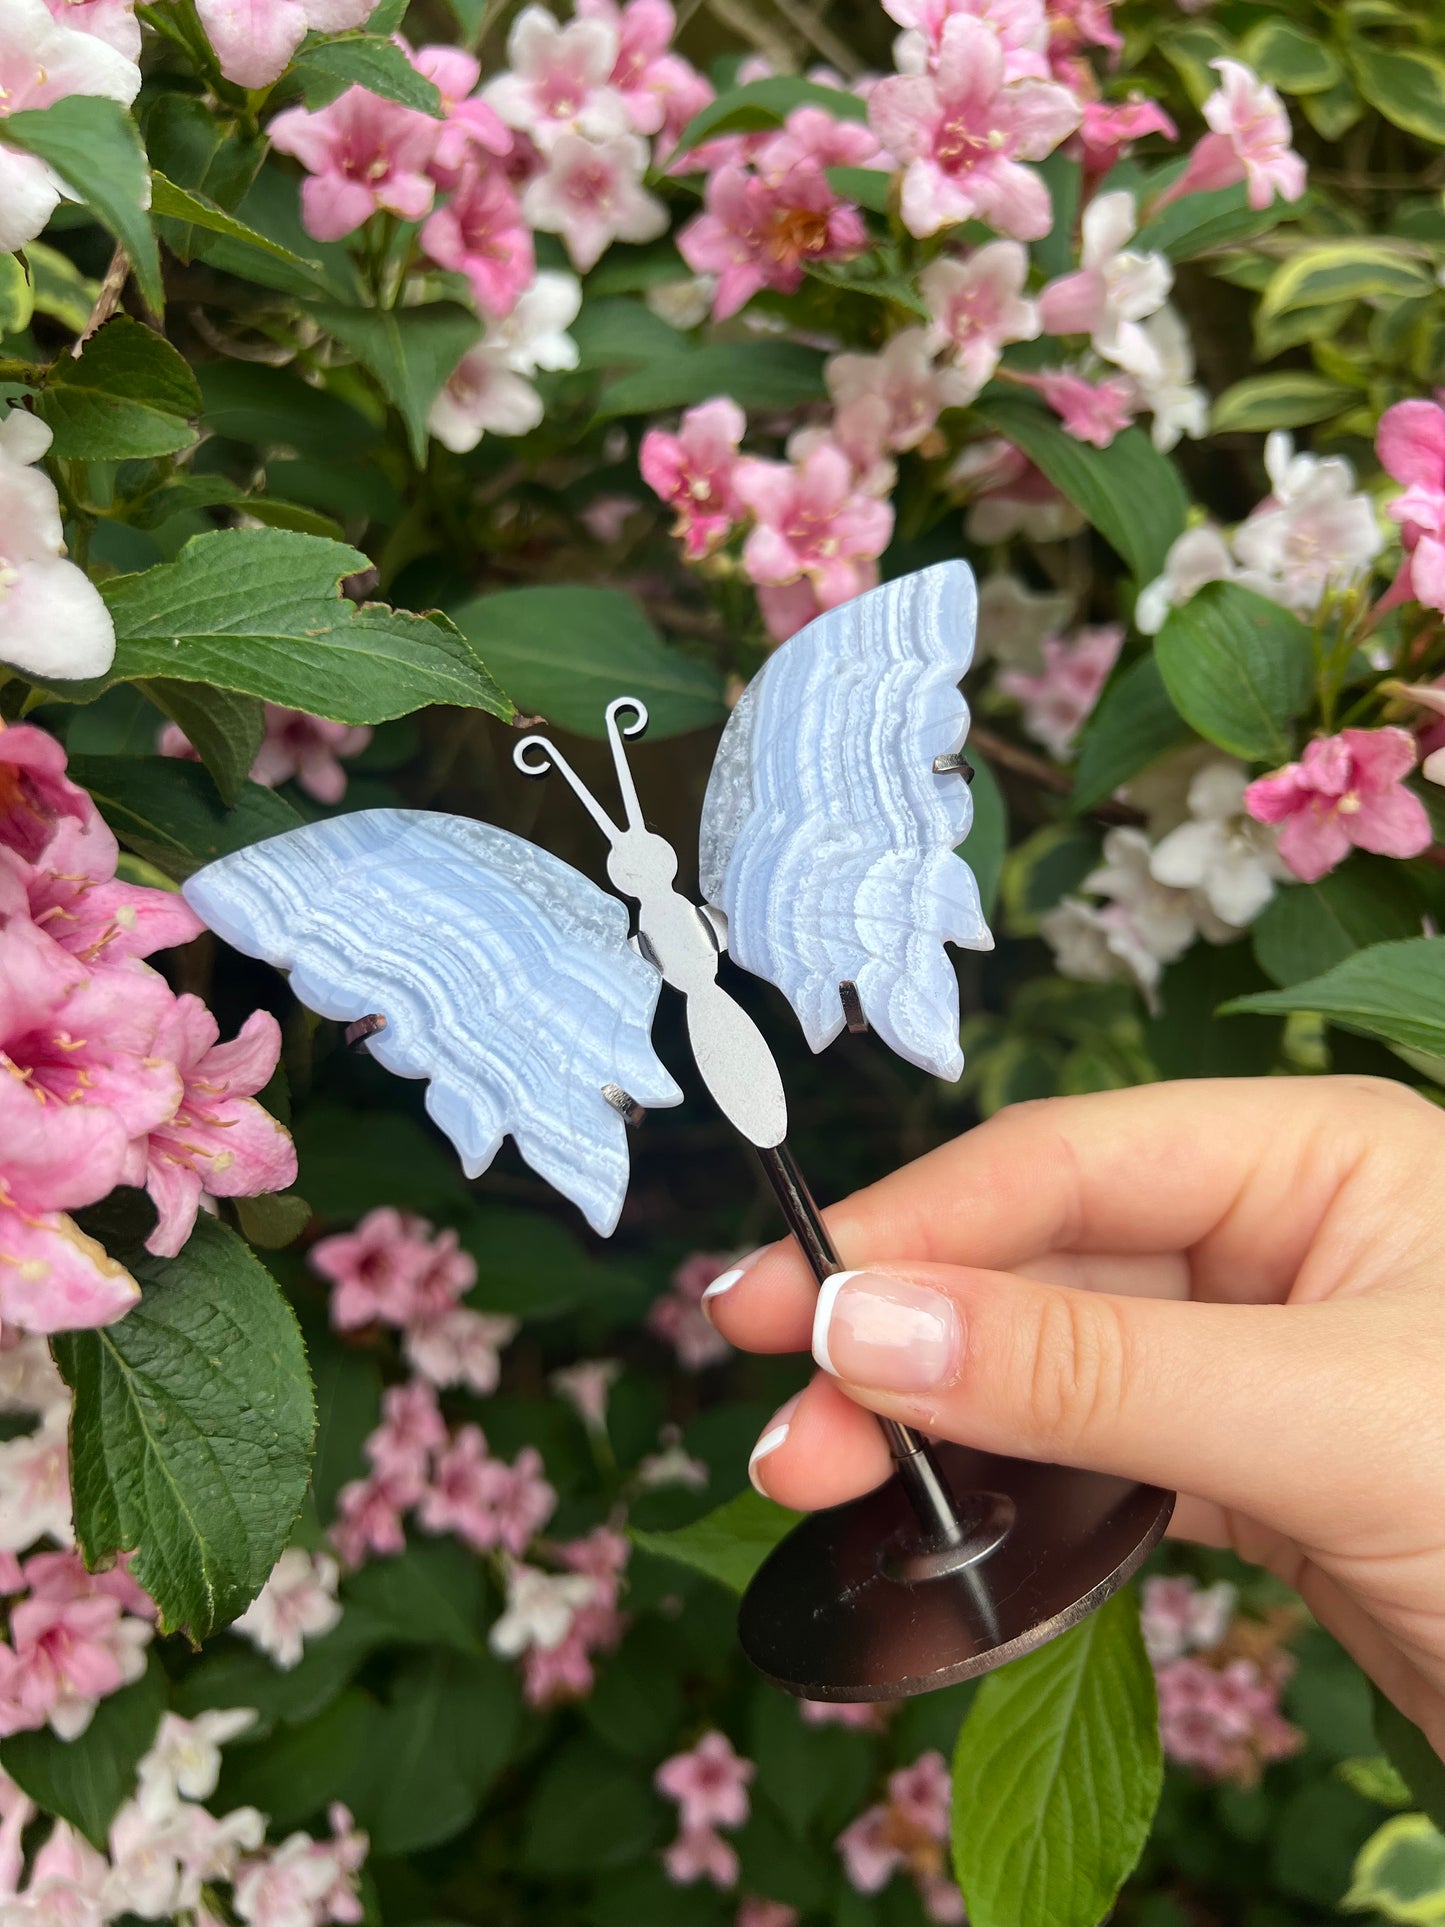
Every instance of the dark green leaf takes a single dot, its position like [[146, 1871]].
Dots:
[[588, 1813], [566, 652], [129, 395], [986, 845], [1134, 723], [531, 1267], [261, 611], [1129, 491], [1412, 1757], [332, 63], [869, 187], [171, 813], [95, 148], [411, 351], [85, 1780], [233, 1673], [351, 1158], [433, 1594], [729, 1544], [766, 103], [1391, 990], [198, 211], [1405, 84], [302, 1769], [193, 1426], [756, 374], [1056, 1777], [1238, 668], [438, 1745], [1311, 927], [273, 1221], [224, 729], [614, 332], [273, 408]]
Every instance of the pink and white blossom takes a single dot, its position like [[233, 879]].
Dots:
[[1141, 925], [1168, 389], [1224, 1721], [904, 378], [1202, 554], [362, 155], [591, 193], [298, 1602], [254, 40], [1177, 1616], [701, 1853], [296, 745], [558, 79], [660, 90], [459, 1346], [1346, 792], [811, 523], [677, 1317], [490, 391], [812, 136], [1109, 129], [1410, 443], [1059, 699], [1021, 25], [113, 21], [539, 1610], [977, 305], [1008, 495], [35, 1483], [1249, 140], [472, 133], [480, 233], [183, 1762], [1014, 621], [693, 472], [72, 1643], [1221, 851], [1313, 534], [1113, 289], [758, 233], [53, 622], [709, 1783], [963, 133], [587, 1387], [1091, 411]]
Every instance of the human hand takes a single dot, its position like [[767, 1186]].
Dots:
[[1234, 1288]]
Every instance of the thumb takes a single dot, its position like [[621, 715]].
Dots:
[[1245, 1405]]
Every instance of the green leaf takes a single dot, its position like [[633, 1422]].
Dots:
[[1238, 668], [349, 1159], [272, 1221], [728, 1544], [17, 296], [128, 396], [1203, 223], [273, 408], [183, 204], [95, 148], [1406, 85], [870, 187], [334, 62], [224, 729], [446, 1734], [1289, 58], [588, 1813], [1291, 399], [1400, 1873], [615, 332], [1129, 491], [1353, 270], [986, 844], [261, 611], [1335, 111], [411, 351], [61, 290], [433, 1594], [232, 1673], [1310, 927], [193, 1427], [1390, 990], [1056, 1777], [1412, 1757], [766, 103], [1134, 723], [756, 374], [564, 653], [301, 1769], [171, 813], [84, 1780], [1373, 1777]]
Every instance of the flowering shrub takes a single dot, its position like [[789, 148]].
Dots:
[[375, 377]]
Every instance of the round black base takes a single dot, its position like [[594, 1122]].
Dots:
[[853, 1606]]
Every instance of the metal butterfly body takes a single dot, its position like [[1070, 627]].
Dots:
[[509, 980]]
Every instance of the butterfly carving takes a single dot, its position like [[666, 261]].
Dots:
[[828, 863]]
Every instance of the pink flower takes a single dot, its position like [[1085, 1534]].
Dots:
[[812, 135], [112, 21], [709, 1784], [480, 233], [1058, 701], [677, 1316], [412, 1432], [660, 90], [220, 1143], [756, 233], [869, 1851], [963, 132], [591, 193], [368, 1520], [77, 900], [1346, 790], [1010, 496], [757, 1912], [693, 472], [700, 1854], [459, 1498], [361, 154], [904, 378], [460, 1347], [859, 432], [295, 744], [1410, 443], [587, 1388], [1225, 1722], [811, 523], [1250, 142], [255, 39], [553, 1675], [373, 1270], [921, 1794], [977, 305], [559, 79], [471, 126], [1091, 411], [298, 1602], [71, 1645], [1179, 1616], [1429, 696], [1021, 26], [35, 792], [1074, 27], [1114, 289], [1109, 129], [35, 1483]]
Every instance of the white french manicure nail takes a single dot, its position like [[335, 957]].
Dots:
[[725, 1281], [823, 1314], [771, 1440]]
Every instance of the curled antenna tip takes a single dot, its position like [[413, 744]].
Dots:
[[533, 756], [639, 714]]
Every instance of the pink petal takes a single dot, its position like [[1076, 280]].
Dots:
[[1312, 842], [1410, 443], [53, 1278], [1394, 824]]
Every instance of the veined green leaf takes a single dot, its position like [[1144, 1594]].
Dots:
[[1390, 990], [1290, 399], [95, 148], [127, 396], [1353, 270], [1238, 668], [1405, 84], [729, 1544]]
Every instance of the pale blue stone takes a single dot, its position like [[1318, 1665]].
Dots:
[[503, 974], [827, 838]]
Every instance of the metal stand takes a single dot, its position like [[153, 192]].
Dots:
[[960, 1562]]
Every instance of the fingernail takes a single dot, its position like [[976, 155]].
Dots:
[[883, 1333], [771, 1439], [725, 1280]]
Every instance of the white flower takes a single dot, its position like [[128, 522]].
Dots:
[[184, 1761], [1314, 532], [1179, 406], [586, 1388], [43, 60], [1014, 621], [1113, 290], [460, 1347], [29, 1381], [1142, 926], [35, 1484], [903, 377], [52, 620], [540, 1609], [1198, 556], [489, 393], [1222, 852], [297, 1601], [558, 79], [673, 1466]]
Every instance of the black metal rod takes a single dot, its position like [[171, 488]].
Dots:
[[918, 1469]]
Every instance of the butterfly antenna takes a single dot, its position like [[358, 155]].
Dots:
[[536, 756], [616, 730]]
